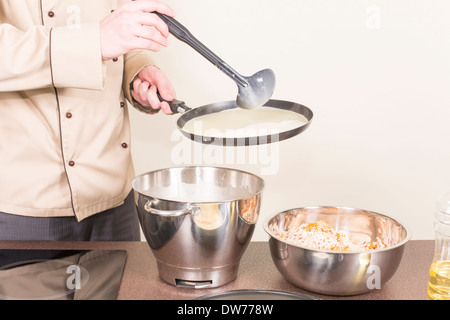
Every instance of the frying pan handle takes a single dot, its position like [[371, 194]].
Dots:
[[176, 106]]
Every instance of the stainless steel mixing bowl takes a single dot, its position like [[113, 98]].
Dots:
[[198, 221], [334, 272]]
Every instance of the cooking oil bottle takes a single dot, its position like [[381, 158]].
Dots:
[[439, 281]]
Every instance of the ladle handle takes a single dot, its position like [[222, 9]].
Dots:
[[183, 34]]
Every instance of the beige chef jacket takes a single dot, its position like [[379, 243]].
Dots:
[[64, 124]]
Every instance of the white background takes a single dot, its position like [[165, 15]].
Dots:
[[376, 74]]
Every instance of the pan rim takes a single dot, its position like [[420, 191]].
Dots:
[[244, 141]]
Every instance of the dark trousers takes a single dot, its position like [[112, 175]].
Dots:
[[116, 224]]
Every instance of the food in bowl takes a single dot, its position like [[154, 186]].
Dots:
[[335, 272], [320, 235]]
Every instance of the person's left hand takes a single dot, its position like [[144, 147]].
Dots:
[[149, 81]]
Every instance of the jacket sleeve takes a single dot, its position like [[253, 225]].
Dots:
[[60, 57], [134, 62]]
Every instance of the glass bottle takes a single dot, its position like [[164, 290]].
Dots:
[[439, 281]]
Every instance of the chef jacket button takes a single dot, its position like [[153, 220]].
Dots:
[[116, 59], [68, 115], [124, 145], [71, 163], [122, 104], [51, 14]]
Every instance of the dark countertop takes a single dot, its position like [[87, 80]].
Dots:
[[140, 279]]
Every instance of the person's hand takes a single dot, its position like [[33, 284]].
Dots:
[[133, 26], [146, 85]]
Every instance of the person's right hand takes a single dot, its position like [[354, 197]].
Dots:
[[133, 26]]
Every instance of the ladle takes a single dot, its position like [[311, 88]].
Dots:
[[253, 91]]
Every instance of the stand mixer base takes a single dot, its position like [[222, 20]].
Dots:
[[198, 278]]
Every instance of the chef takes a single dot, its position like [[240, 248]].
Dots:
[[67, 70]]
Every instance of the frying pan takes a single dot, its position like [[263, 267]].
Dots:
[[188, 114]]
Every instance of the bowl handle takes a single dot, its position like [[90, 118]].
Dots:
[[149, 207]]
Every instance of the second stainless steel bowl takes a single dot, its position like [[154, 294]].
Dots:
[[334, 272]]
